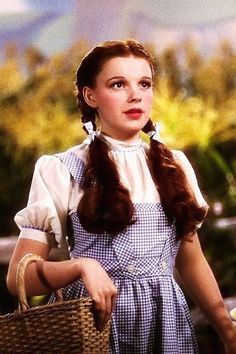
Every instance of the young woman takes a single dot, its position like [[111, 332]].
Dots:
[[130, 212]]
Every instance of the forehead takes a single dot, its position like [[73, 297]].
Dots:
[[130, 66]]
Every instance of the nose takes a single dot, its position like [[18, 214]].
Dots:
[[134, 95]]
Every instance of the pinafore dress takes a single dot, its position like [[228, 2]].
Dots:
[[151, 314]]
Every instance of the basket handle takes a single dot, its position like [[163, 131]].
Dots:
[[20, 281]]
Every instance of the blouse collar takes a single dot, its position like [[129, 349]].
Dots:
[[118, 145]]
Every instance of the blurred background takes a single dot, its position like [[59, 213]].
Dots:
[[194, 43]]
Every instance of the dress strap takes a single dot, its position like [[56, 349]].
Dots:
[[74, 165]]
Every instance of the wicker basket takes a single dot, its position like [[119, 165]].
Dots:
[[61, 327]]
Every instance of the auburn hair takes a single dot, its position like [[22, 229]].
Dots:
[[106, 205]]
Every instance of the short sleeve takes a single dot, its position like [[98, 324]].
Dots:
[[44, 218], [191, 176]]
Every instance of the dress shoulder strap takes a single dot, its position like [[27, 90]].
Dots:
[[74, 165]]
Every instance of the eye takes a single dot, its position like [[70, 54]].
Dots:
[[118, 84], [146, 84]]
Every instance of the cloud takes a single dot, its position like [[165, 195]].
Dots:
[[13, 6]]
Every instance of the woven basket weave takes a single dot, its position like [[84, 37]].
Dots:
[[61, 327]]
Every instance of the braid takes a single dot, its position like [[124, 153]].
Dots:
[[177, 198], [106, 204]]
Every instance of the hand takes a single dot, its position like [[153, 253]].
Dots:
[[230, 346], [101, 289]]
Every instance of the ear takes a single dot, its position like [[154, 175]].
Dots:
[[89, 97]]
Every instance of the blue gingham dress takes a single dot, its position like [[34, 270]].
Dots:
[[151, 314]]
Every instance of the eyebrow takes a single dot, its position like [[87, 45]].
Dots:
[[124, 78]]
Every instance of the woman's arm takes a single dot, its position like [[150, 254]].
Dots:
[[198, 279], [43, 277]]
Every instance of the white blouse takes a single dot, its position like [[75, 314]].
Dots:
[[54, 193]]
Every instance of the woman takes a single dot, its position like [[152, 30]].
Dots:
[[130, 212]]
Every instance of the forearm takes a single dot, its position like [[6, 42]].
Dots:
[[199, 281], [202, 287], [41, 277]]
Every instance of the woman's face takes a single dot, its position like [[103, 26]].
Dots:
[[123, 97]]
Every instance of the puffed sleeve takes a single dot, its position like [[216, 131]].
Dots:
[[191, 177], [44, 218]]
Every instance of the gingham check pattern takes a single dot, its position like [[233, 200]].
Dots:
[[151, 315]]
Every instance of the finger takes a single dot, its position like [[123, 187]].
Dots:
[[114, 300], [99, 310], [96, 319], [106, 315], [103, 308], [105, 312], [96, 316], [111, 298]]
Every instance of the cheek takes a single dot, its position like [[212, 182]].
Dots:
[[149, 99], [109, 102]]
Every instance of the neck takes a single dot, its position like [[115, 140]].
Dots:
[[125, 139]]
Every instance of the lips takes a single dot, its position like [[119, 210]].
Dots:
[[134, 113], [134, 110]]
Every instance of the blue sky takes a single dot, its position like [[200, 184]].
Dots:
[[173, 12], [164, 12], [19, 6]]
